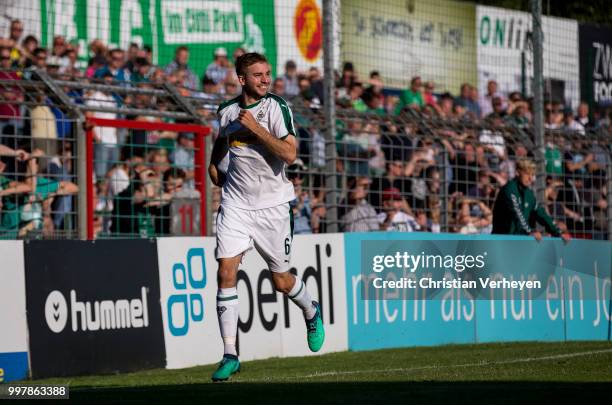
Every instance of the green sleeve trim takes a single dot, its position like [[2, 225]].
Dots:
[[286, 111]]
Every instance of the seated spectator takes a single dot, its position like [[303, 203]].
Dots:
[[360, 216], [582, 117], [278, 86], [569, 123], [291, 79], [486, 100], [394, 217], [466, 101], [181, 61], [411, 97], [301, 205], [474, 217]]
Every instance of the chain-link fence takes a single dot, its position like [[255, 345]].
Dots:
[[434, 106]]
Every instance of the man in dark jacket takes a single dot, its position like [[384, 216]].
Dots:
[[516, 209]]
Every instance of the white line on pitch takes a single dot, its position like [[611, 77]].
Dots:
[[439, 366]]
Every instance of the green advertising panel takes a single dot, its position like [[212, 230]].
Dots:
[[163, 25]]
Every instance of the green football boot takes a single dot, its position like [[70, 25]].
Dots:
[[229, 365], [314, 327]]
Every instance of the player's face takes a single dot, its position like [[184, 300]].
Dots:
[[257, 80]]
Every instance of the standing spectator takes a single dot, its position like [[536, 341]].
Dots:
[[132, 54], [181, 61], [219, 70], [114, 66], [10, 113], [183, 157], [106, 151], [516, 209], [486, 100], [291, 79], [44, 131], [411, 97], [16, 30]]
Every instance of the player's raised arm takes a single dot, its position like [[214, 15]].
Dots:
[[285, 148]]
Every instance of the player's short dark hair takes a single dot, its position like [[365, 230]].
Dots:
[[248, 59]]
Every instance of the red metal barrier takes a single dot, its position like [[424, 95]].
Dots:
[[200, 132]]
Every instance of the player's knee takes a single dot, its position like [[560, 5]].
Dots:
[[283, 284], [226, 275]]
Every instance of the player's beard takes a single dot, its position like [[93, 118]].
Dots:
[[254, 91]]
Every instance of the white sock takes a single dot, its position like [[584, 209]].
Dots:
[[299, 295], [227, 312]]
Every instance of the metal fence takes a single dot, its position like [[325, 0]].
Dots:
[[433, 104], [412, 171]]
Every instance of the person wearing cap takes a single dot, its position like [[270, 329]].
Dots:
[[394, 219], [219, 69], [516, 209], [181, 60]]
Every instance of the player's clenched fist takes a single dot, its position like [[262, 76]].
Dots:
[[247, 120]]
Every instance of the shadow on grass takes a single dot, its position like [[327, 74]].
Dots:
[[315, 393]]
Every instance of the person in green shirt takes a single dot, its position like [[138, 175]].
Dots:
[[412, 96], [516, 209]]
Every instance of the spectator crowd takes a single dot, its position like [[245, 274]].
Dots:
[[407, 160]]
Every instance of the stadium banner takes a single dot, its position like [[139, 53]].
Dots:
[[13, 324], [161, 24], [504, 53], [596, 65], [269, 325], [404, 39], [299, 33], [571, 303], [93, 307]]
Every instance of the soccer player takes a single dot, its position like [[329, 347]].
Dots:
[[257, 129]]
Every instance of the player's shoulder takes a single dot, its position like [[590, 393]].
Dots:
[[282, 103], [224, 105]]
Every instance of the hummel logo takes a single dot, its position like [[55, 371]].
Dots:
[[220, 311]]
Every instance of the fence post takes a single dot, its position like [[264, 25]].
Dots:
[[89, 184], [538, 97], [200, 178], [329, 106]]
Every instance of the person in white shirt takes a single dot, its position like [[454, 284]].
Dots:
[[106, 151], [257, 129]]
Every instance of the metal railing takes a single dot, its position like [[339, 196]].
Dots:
[[418, 170]]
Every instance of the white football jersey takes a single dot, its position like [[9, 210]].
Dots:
[[256, 177]]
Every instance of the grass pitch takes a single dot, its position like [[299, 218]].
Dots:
[[530, 372]]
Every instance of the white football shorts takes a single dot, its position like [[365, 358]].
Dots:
[[269, 230]]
